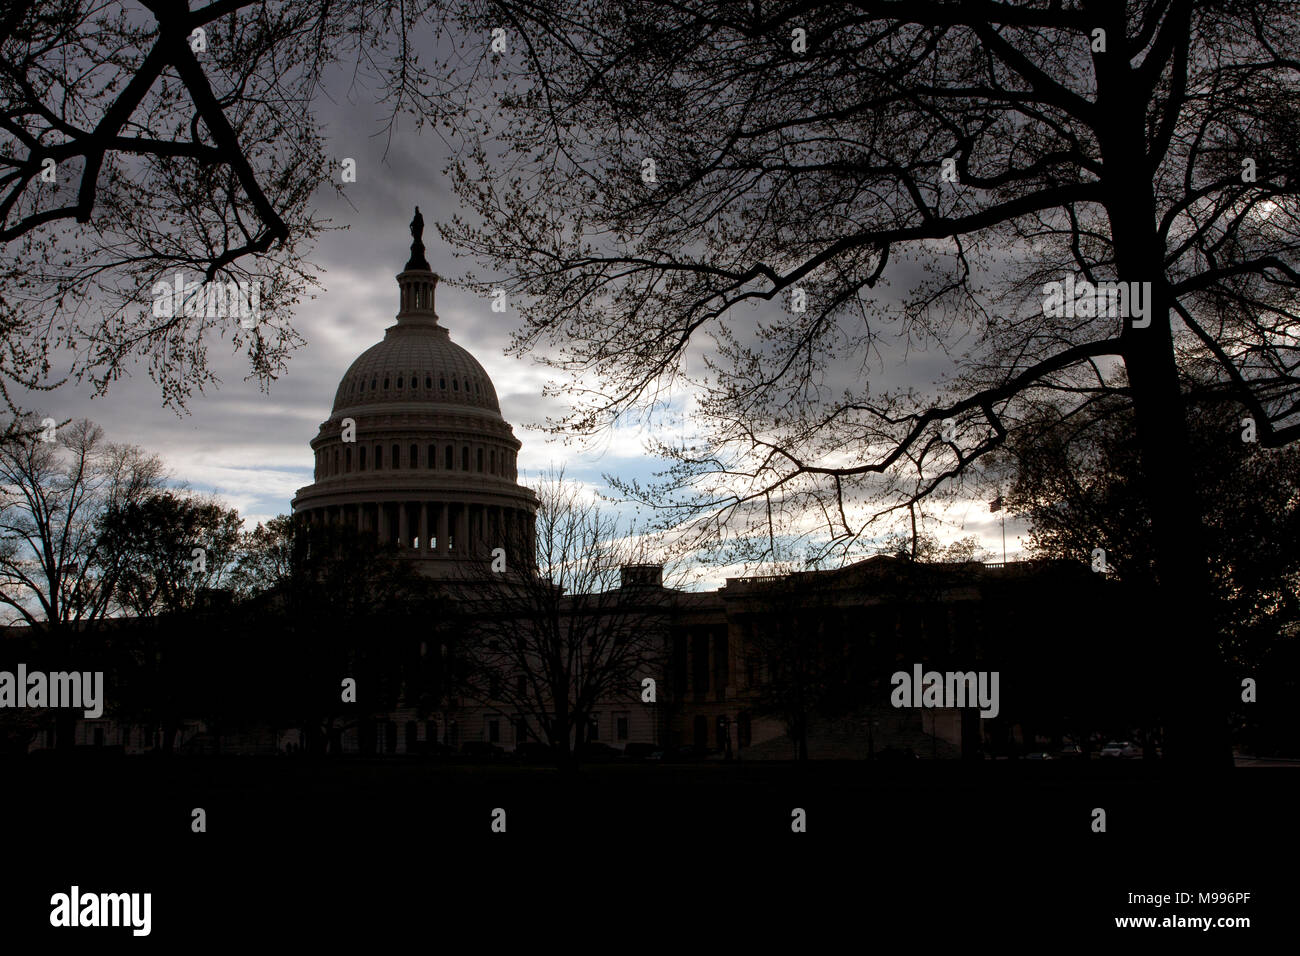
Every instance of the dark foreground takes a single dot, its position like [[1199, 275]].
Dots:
[[321, 851]]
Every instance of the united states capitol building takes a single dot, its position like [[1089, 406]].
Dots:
[[416, 453]]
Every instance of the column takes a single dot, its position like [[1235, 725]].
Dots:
[[424, 526], [443, 522], [462, 530], [403, 526]]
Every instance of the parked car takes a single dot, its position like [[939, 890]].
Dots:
[[1039, 755], [438, 751], [200, 745], [688, 753], [481, 750], [1121, 748], [1070, 752], [594, 751], [641, 751], [894, 755], [534, 751]]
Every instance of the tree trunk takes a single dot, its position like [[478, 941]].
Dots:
[[1188, 698]]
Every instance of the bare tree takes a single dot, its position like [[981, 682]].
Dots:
[[549, 645], [913, 174], [142, 141], [57, 570]]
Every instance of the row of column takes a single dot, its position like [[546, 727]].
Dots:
[[433, 527]]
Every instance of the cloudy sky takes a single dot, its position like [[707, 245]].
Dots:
[[251, 448]]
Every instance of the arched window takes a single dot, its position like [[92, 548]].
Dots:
[[466, 386], [379, 457], [447, 459], [363, 386], [464, 457], [415, 457], [479, 459], [385, 381], [399, 381], [374, 383], [476, 388], [442, 384], [347, 459], [428, 381], [455, 385], [433, 456], [492, 462], [361, 458], [397, 456]]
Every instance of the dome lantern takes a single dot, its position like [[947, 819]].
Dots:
[[417, 281]]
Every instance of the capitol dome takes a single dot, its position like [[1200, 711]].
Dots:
[[415, 450]]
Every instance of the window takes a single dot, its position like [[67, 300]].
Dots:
[[361, 458], [374, 383], [428, 381], [347, 458], [464, 457], [479, 459], [447, 459], [385, 381], [399, 381], [432, 461], [442, 384], [412, 736], [336, 461], [593, 727], [455, 385], [621, 723], [431, 731], [397, 456], [521, 728], [379, 457], [494, 687], [415, 457], [466, 386], [494, 731], [363, 386], [492, 462]]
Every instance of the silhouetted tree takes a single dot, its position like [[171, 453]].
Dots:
[[58, 572], [1080, 488], [688, 161], [139, 142], [347, 609], [551, 643]]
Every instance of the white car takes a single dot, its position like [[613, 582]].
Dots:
[[1121, 748]]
